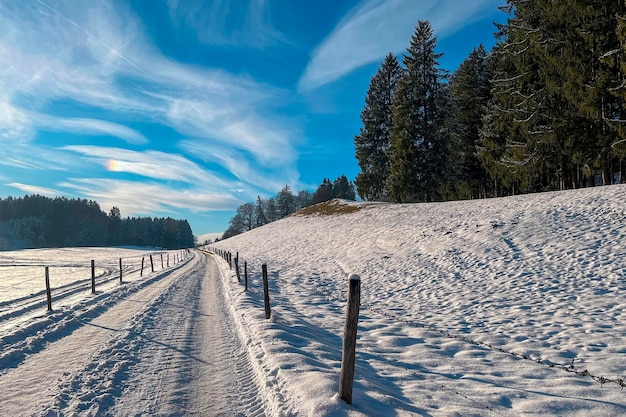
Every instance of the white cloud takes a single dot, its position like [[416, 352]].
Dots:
[[134, 198], [95, 54], [244, 168], [90, 127], [151, 164], [227, 22], [376, 27], [34, 189]]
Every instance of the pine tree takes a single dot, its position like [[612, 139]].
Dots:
[[323, 193], [419, 142], [285, 202], [259, 214], [343, 188], [372, 143], [551, 94], [470, 88]]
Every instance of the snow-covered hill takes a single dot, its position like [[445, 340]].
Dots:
[[504, 307], [509, 306]]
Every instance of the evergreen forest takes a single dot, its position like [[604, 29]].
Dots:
[[544, 109], [252, 215], [40, 222]]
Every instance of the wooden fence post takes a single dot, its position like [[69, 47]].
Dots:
[[48, 294], [245, 274], [168, 260], [151, 263], [141, 273], [120, 270], [266, 291], [93, 277], [161, 261], [348, 359], [237, 269]]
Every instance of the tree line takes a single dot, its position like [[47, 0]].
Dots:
[[543, 110], [252, 215], [40, 222]]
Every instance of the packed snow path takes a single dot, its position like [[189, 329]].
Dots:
[[167, 349]]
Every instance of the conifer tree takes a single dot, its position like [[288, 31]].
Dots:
[[343, 188], [372, 143], [259, 213], [551, 94], [285, 202], [323, 193], [418, 153], [470, 88]]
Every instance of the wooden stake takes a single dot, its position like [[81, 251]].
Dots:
[[48, 293], [348, 358], [93, 277], [266, 291], [120, 270]]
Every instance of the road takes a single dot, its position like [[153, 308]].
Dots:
[[167, 349]]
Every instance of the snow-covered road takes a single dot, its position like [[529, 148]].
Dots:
[[166, 348]]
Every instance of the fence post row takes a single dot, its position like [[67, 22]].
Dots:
[[346, 378], [93, 277], [48, 294], [266, 291]]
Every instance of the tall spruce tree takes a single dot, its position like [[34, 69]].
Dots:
[[617, 59], [372, 143], [551, 92], [470, 88], [418, 152]]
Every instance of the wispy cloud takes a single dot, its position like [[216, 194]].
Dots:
[[143, 198], [19, 163], [89, 127], [227, 22], [376, 27], [96, 55], [150, 164], [34, 189]]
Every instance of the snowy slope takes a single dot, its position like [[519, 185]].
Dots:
[[510, 306]]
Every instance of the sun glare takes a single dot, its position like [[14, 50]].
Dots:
[[113, 165]]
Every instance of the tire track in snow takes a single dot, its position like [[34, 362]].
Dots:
[[181, 355], [55, 353]]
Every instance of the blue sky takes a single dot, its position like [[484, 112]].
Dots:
[[190, 108]]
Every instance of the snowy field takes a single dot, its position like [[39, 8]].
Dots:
[[22, 276], [500, 307], [506, 307]]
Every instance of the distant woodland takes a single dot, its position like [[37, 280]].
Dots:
[[41, 222]]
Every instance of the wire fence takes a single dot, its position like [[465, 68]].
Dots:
[[378, 310]]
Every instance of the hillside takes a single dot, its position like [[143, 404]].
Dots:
[[503, 306]]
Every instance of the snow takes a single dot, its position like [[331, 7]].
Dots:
[[504, 307], [490, 307]]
